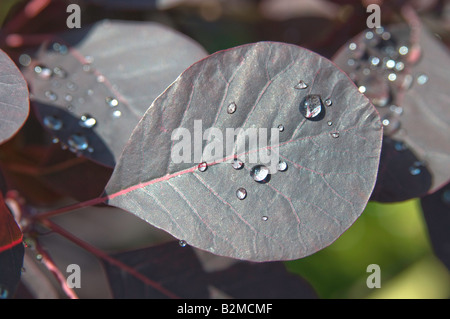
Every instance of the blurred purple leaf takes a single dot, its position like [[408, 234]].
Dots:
[[91, 86], [436, 210], [14, 102], [401, 71], [332, 159]]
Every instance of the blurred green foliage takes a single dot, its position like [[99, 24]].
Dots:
[[393, 236]]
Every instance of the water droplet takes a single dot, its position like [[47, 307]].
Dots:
[[51, 95], [90, 92], [422, 79], [396, 109], [375, 61], [71, 86], [392, 77], [117, 114], [399, 146], [281, 127], [403, 50], [330, 123], [59, 72], [282, 166], [352, 46], [241, 193], [53, 122], [328, 102], [87, 68], [376, 89], [112, 102], [237, 164], [4, 293], [391, 124], [68, 97], [415, 169], [55, 140], [43, 72], [390, 64], [311, 106], [90, 149], [400, 66], [265, 218], [369, 35], [260, 173], [100, 79], [182, 243], [446, 197], [231, 108], [87, 121], [202, 166], [301, 85], [78, 142], [335, 134], [24, 59]]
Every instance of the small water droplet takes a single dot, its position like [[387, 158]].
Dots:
[[392, 77], [422, 79], [311, 106], [390, 64], [241, 193], [301, 85], [231, 108], [399, 146], [400, 66], [51, 95], [237, 164], [24, 59], [375, 61], [335, 134], [265, 218], [4, 293], [100, 79], [260, 173], [391, 124], [282, 166], [415, 169], [78, 142], [403, 50], [53, 122], [71, 86], [112, 102], [330, 123], [90, 92], [90, 149], [60, 72], [87, 68], [281, 127], [202, 166], [362, 89], [328, 102], [87, 121], [446, 197], [396, 109], [68, 97], [182, 243], [117, 114], [369, 35], [43, 72], [352, 46]]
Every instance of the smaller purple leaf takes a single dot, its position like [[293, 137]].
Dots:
[[14, 102]]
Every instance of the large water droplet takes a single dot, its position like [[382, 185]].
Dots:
[[260, 173], [112, 102], [237, 164], [78, 142], [241, 193], [53, 122], [202, 166], [311, 107], [87, 121], [301, 85], [231, 108]]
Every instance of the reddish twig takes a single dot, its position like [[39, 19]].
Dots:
[[50, 265], [100, 254]]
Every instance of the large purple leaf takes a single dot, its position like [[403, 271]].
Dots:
[[436, 210], [402, 71], [14, 103], [91, 86], [329, 160]]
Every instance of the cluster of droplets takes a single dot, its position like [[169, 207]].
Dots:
[[60, 79]]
